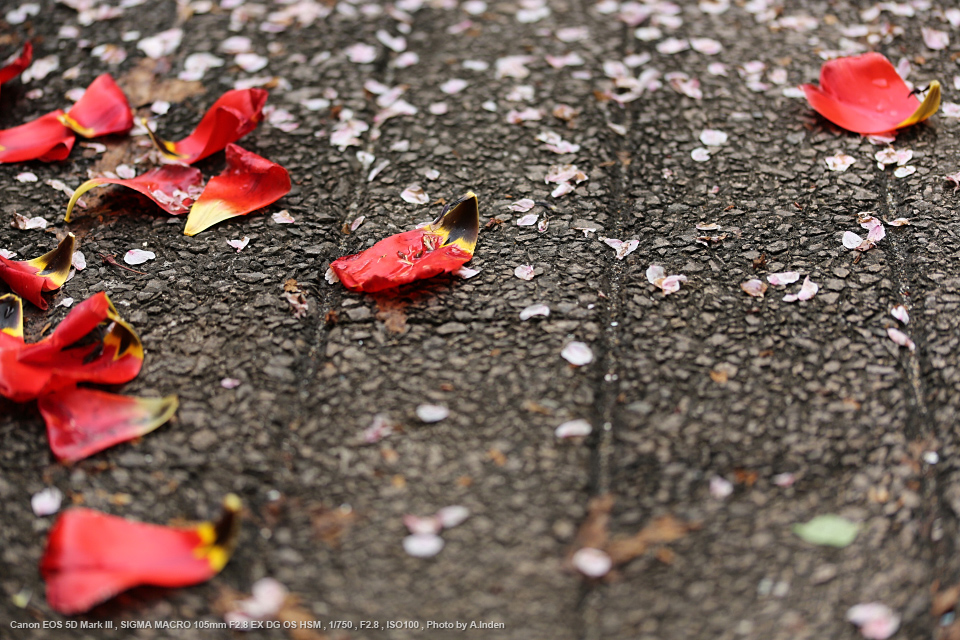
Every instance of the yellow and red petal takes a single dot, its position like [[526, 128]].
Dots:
[[11, 316], [43, 139], [29, 278], [92, 344], [235, 114], [81, 422], [248, 183], [866, 95], [174, 187], [92, 556], [441, 247], [16, 67], [102, 110]]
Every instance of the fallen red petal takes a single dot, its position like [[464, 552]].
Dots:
[[92, 556], [248, 183], [174, 187], [43, 139], [864, 94], [102, 110], [30, 278], [233, 116], [16, 67], [441, 247], [81, 422]]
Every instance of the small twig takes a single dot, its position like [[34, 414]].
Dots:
[[113, 261]]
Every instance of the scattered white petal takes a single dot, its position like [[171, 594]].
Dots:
[[513, 67], [754, 287], [782, 278], [236, 44], [852, 240], [475, 65], [361, 53], [720, 488], [672, 45], [27, 176], [839, 161], [524, 272], [901, 338], [414, 194], [903, 172], [79, 261], [65, 302], [452, 516], [577, 353], [807, 291], [46, 502], [535, 310], [24, 223], [623, 248], [438, 108], [706, 46], [40, 69], [900, 313], [466, 272], [357, 222], [700, 154], [239, 245], [138, 256], [516, 117], [656, 275], [950, 110], [523, 205], [432, 412], [9, 255], [250, 62], [717, 69], [397, 44], [592, 563], [876, 621], [283, 217], [453, 86], [935, 39], [330, 276], [784, 479], [423, 545], [161, 44], [230, 383], [528, 220], [574, 429], [406, 59], [713, 137]]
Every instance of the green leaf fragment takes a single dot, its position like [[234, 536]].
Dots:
[[828, 530]]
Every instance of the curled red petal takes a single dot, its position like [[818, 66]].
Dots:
[[43, 139], [441, 247], [248, 183], [174, 187], [16, 67], [235, 114], [81, 422], [92, 556], [102, 110], [92, 344], [11, 317], [866, 95], [29, 278]]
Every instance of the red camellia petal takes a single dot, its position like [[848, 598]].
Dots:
[[441, 247], [43, 139], [866, 95], [174, 187], [92, 344], [81, 422], [102, 110], [17, 66], [233, 116], [29, 278], [248, 183], [92, 556]]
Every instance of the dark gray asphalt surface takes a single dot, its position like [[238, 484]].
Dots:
[[815, 388]]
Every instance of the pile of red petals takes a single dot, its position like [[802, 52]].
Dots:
[[92, 344], [92, 556], [866, 95], [443, 246]]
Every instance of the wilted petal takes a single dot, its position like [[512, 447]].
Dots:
[[655, 274], [102, 110], [839, 161], [900, 313], [901, 338], [414, 194], [782, 278], [671, 284], [248, 183], [807, 291], [577, 353], [91, 556], [755, 288], [172, 187]]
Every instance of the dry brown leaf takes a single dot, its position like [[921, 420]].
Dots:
[[945, 600], [594, 532], [662, 530], [390, 313], [330, 524], [143, 87]]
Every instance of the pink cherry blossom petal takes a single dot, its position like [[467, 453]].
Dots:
[[524, 272], [577, 353], [574, 429], [535, 310], [755, 288], [452, 516], [720, 488], [423, 545], [414, 194], [782, 278], [138, 256], [528, 220], [46, 502], [876, 621], [592, 563], [522, 206], [713, 137], [901, 338], [900, 313], [839, 161]]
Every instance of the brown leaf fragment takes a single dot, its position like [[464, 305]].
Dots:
[[143, 87], [945, 600], [390, 313], [951, 632], [594, 532], [497, 457], [329, 525], [662, 530], [761, 262], [720, 377]]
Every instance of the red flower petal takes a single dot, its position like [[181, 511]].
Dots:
[[864, 94], [92, 344], [248, 183], [102, 110], [92, 556], [29, 278], [43, 139], [173, 187], [81, 422], [441, 247], [233, 116], [16, 67]]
